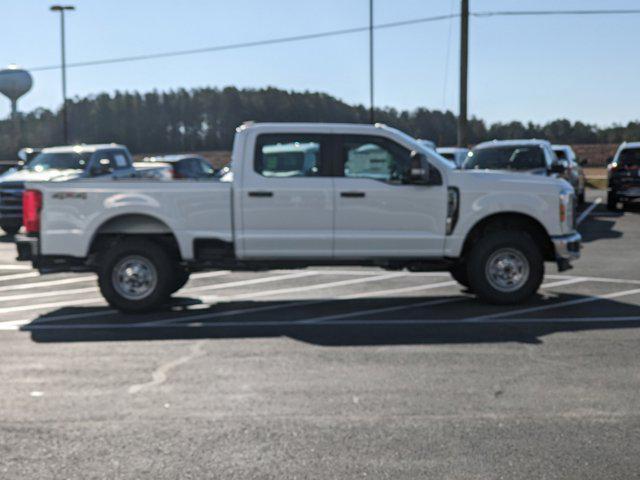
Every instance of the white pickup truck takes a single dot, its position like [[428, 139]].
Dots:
[[302, 195]]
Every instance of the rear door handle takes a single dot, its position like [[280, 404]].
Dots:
[[352, 194], [261, 194]]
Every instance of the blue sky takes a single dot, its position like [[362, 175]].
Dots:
[[524, 68]]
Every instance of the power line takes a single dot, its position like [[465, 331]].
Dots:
[[514, 13], [234, 46], [330, 33]]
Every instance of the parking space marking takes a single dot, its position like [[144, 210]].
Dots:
[[306, 288], [375, 311], [561, 283], [66, 303], [583, 216], [253, 281], [211, 316], [19, 276], [568, 303], [347, 322], [55, 293], [15, 267], [48, 283]]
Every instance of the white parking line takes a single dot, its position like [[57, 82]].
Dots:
[[586, 213], [48, 283], [26, 296], [306, 288], [66, 303], [15, 267], [253, 281], [18, 276], [560, 283], [294, 323], [540, 308]]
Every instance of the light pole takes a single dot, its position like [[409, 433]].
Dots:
[[61, 9], [371, 84], [463, 133]]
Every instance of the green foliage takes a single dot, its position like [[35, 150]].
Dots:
[[206, 119]]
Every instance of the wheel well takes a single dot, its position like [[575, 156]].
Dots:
[[120, 228], [511, 221]]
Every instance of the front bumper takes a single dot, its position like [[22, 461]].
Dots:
[[567, 248]]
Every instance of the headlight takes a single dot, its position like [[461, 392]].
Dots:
[[453, 205], [566, 206]]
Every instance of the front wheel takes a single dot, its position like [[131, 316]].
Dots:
[[612, 201], [459, 274], [505, 267], [135, 276]]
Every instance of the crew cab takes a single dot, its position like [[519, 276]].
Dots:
[[623, 172], [57, 164], [302, 195]]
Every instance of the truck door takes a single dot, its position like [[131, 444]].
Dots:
[[287, 198], [378, 214]]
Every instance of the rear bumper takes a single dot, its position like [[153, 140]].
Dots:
[[27, 246], [29, 251], [567, 248]]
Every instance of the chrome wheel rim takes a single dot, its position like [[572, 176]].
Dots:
[[507, 270], [134, 277]]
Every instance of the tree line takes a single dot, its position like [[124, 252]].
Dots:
[[206, 118]]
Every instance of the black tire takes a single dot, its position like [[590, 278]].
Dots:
[[180, 278], [459, 274], [11, 230], [612, 201], [513, 244], [137, 250]]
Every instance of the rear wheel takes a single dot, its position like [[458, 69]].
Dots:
[[135, 276], [180, 278], [505, 267], [612, 201]]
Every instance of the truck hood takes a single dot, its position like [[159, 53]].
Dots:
[[14, 175], [490, 180]]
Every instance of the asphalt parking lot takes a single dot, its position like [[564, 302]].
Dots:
[[328, 373]]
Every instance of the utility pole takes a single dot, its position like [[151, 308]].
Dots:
[[65, 120], [464, 65], [371, 84]]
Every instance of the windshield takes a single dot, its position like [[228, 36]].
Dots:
[[506, 158], [58, 161], [630, 157]]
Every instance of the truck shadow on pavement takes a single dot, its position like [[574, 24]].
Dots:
[[332, 322]]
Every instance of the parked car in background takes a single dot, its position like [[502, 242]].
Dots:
[[526, 156], [573, 172], [456, 154], [623, 172], [379, 198], [184, 166], [59, 164]]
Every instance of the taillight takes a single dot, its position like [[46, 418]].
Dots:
[[31, 206]]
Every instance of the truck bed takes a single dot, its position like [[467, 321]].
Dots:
[[74, 212]]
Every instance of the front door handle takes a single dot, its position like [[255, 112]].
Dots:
[[352, 194], [261, 194]]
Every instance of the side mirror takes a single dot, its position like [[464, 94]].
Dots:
[[102, 168], [609, 160], [558, 168], [584, 162], [419, 170]]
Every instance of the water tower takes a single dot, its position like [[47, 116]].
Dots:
[[14, 83]]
